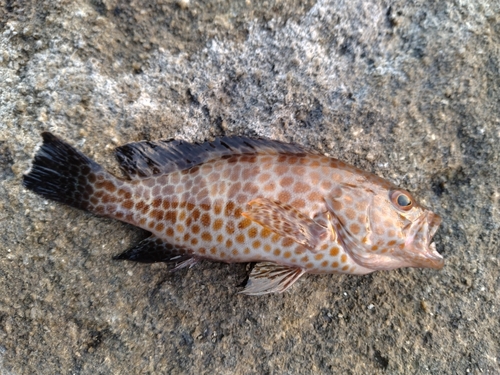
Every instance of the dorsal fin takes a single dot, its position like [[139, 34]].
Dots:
[[145, 159]]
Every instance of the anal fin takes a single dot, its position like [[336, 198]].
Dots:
[[154, 249], [267, 277], [286, 221]]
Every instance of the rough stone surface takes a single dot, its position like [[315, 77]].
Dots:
[[407, 89]]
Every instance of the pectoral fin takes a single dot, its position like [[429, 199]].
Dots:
[[286, 221], [269, 277]]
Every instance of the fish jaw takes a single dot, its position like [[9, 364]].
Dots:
[[419, 250]]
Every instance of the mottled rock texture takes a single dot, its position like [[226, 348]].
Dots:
[[409, 90]]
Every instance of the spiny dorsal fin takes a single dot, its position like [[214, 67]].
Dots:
[[145, 159], [267, 277], [286, 221], [154, 249]]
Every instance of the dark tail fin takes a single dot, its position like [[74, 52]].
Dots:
[[62, 173]]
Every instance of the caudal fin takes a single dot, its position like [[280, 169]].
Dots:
[[62, 173]]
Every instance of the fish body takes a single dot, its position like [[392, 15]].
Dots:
[[237, 199]]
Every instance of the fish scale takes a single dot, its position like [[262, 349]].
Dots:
[[238, 199]]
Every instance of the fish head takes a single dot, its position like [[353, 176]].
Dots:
[[384, 228]]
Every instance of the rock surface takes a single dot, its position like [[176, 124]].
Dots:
[[409, 90]]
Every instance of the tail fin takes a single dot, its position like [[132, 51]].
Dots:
[[62, 173]]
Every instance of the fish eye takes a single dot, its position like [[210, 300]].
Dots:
[[401, 200]]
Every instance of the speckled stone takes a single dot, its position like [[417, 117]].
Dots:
[[409, 90]]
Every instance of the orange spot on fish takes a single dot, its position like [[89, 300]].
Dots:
[[229, 208], [230, 227], [240, 238], [298, 203], [252, 232], [334, 251], [286, 181], [245, 223], [109, 186], [205, 219], [300, 187], [218, 223], [195, 215], [238, 211], [354, 228], [350, 213], [217, 206], [275, 237], [343, 258], [265, 232], [171, 216], [205, 236], [264, 177], [314, 177], [284, 196], [270, 187], [127, 204], [298, 170], [182, 215], [315, 196]]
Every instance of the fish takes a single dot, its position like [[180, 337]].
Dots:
[[287, 209]]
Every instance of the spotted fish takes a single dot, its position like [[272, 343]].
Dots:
[[238, 199]]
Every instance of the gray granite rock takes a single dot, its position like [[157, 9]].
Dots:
[[409, 90]]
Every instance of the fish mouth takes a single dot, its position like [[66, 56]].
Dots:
[[420, 250]]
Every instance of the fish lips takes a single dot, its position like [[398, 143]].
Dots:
[[421, 251]]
